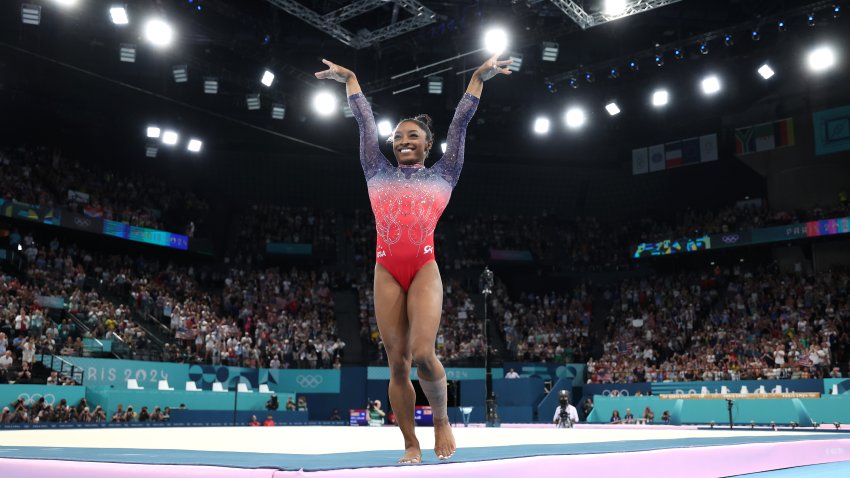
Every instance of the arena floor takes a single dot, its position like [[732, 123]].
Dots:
[[325, 452]]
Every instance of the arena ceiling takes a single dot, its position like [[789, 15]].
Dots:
[[62, 82]]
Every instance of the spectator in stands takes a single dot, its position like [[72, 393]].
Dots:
[[269, 422], [587, 407], [7, 360], [272, 403], [302, 404], [629, 418], [648, 415], [665, 417], [615, 417], [511, 374], [254, 422], [290, 405]]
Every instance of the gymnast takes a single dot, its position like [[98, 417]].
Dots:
[[407, 202]]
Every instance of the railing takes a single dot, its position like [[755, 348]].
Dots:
[[63, 366]]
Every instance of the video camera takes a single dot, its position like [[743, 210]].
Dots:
[[564, 420]]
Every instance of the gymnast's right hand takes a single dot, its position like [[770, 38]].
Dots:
[[335, 72]]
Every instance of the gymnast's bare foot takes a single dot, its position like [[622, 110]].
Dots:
[[444, 439], [412, 453]]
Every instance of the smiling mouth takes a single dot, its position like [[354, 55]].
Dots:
[[405, 150]]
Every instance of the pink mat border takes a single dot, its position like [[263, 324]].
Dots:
[[697, 462]]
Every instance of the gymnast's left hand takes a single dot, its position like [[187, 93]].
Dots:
[[492, 67]]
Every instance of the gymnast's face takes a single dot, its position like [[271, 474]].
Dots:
[[410, 144]]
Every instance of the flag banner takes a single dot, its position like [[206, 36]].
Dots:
[[690, 151], [656, 158], [832, 130], [708, 147], [765, 137], [640, 161], [673, 154]]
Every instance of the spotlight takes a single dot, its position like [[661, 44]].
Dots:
[[325, 103], [252, 101], [153, 132], [31, 14], [158, 32], [660, 98], [181, 73], [704, 48], [821, 59], [613, 73], [267, 79], [780, 25], [766, 71], [170, 137], [516, 62], [127, 53], [443, 147], [634, 66], [755, 35], [575, 118], [678, 53], [435, 85], [811, 19], [710, 85], [211, 85], [573, 83], [836, 11], [728, 40], [385, 128], [495, 41], [615, 7], [550, 51], [588, 77], [551, 87], [65, 3], [150, 151], [118, 14], [541, 125], [195, 145], [659, 59], [612, 109], [278, 111]]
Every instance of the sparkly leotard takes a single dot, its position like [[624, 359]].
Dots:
[[408, 200]]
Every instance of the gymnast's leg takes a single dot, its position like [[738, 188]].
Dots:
[[424, 308], [391, 314]]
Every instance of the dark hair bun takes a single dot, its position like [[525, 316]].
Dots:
[[426, 120]]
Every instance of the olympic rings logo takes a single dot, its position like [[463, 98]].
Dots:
[[82, 222], [309, 381], [731, 238], [28, 399]]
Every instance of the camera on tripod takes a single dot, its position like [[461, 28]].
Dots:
[[564, 420]]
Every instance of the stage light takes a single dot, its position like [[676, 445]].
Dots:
[[613, 73], [728, 40], [127, 53], [704, 48], [659, 59], [153, 132], [711, 85], [575, 118], [211, 85], [836, 11], [550, 51], [516, 62], [252, 101], [615, 7], [150, 151], [435, 85], [159, 33], [811, 19], [821, 59], [766, 71], [443, 147], [385, 128], [170, 137], [31, 14], [551, 87], [325, 103], [195, 145], [780, 25], [278, 111], [612, 109], [573, 82], [755, 35], [496, 41], [181, 73], [118, 14], [267, 79], [660, 98], [541, 125], [65, 3], [678, 53], [634, 66], [588, 77]]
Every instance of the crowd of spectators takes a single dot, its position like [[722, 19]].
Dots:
[[41, 411], [263, 224]]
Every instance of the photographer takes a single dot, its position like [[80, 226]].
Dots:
[[272, 404], [375, 415], [565, 414]]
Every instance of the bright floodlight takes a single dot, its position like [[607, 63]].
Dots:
[[612, 109], [170, 137], [711, 85], [153, 132], [615, 7], [268, 78], [385, 128], [158, 32], [541, 125], [660, 98], [495, 41], [766, 71], [575, 118], [119, 15], [325, 103], [195, 145], [821, 59], [443, 147], [66, 3]]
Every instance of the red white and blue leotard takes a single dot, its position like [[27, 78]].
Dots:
[[408, 200]]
